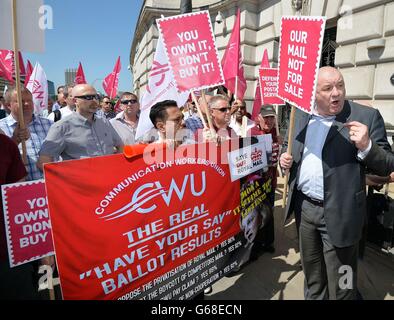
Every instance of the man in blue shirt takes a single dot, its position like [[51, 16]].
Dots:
[[81, 134], [36, 129]]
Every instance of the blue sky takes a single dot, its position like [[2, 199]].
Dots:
[[93, 32]]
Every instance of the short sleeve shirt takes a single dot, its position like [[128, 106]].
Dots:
[[125, 130], [38, 129], [74, 137]]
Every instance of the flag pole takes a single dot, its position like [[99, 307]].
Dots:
[[21, 120], [277, 132], [112, 89], [52, 294], [289, 151]]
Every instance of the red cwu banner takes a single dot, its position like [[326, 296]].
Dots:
[[116, 230]]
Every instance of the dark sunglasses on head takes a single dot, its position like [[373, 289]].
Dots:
[[89, 97], [222, 109], [128, 101]]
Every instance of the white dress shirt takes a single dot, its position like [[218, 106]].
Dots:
[[310, 181]]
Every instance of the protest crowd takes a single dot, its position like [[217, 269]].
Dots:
[[333, 148]]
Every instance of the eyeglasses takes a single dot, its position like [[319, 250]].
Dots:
[[128, 101], [222, 109], [89, 97], [107, 102]]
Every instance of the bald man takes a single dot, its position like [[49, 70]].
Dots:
[[81, 134], [332, 148]]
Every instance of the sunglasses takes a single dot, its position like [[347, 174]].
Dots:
[[107, 102], [89, 97], [128, 101], [222, 109]]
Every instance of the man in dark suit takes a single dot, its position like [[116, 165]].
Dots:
[[331, 150]]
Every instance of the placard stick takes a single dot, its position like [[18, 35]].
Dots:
[[289, 150], [208, 113], [244, 127], [276, 120], [21, 121], [52, 294], [199, 109]]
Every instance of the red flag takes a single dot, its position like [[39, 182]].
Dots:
[[22, 70], [7, 65], [265, 63], [117, 107], [234, 72], [29, 71], [257, 101], [110, 83], [80, 76]]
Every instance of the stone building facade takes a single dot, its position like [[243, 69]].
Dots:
[[359, 39]]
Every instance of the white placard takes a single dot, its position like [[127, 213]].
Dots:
[[247, 160], [30, 35]]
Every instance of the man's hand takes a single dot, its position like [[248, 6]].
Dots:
[[286, 161], [20, 135], [358, 133], [43, 159], [209, 136]]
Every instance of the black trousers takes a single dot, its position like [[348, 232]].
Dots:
[[18, 283], [330, 272]]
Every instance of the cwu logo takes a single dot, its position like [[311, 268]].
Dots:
[[141, 200]]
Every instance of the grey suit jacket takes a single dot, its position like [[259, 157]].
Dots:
[[344, 174]]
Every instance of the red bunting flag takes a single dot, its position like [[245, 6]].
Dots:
[[234, 72], [257, 101], [110, 83], [80, 76], [29, 71]]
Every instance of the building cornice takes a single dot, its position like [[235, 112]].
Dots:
[[150, 14]]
